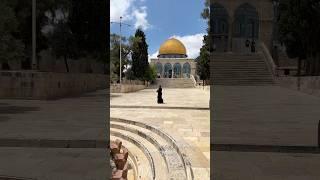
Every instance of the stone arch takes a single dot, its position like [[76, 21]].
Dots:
[[159, 69], [177, 70], [245, 26], [167, 70], [186, 70], [221, 25]]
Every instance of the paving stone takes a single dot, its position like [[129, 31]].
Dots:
[[180, 118]]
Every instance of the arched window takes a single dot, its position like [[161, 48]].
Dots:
[[159, 69], [220, 18], [177, 70], [168, 70], [186, 70], [247, 17]]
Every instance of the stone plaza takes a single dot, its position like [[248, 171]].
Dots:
[[176, 135], [60, 139]]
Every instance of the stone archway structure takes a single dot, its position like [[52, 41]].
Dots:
[[264, 9]]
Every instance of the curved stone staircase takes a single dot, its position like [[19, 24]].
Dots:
[[158, 155]]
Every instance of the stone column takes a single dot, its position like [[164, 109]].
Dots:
[[230, 33], [172, 70]]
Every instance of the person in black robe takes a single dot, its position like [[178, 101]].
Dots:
[[253, 47], [159, 91]]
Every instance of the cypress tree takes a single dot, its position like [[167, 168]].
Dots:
[[140, 55]]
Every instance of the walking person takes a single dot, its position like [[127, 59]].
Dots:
[[253, 47], [247, 46]]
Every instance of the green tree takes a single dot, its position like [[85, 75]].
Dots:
[[203, 61], [88, 23], [300, 32], [23, 13], [140, 62], [79, 31], [115, 54], [62, 42], [150, 74], [11, 48]]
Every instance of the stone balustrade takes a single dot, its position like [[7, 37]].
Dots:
[[119, 155]]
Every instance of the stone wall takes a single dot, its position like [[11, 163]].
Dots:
[[308, 84], [48, 63], [48, 85], [127, 86]]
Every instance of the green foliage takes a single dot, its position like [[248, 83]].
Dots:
[[151, 73], [62, 42], [300, 31], [115, 54], [85, 21], [140, 62], [203, 61], [11, 48], [88, 24], [130, 75]]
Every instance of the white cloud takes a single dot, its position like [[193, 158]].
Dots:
[[129, 12], [193, 43], [154, 55], [140, 16], [120, 8]]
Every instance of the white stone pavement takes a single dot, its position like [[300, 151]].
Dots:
[[69, 119], [264, 115], [185, 114]]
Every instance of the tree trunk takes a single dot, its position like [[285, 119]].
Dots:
[[203, 84], [5, 66], [66, 63], [299, 73], [318, 63]]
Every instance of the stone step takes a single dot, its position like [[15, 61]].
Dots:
[[138, 158], [235, 60], [237, 71], [178, 146], [240, 69], [156, 162], [175, 83], [174, 163]]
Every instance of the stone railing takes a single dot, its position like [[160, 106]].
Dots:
[[48, 85], [193, 80], [119, 155], [269, 60]]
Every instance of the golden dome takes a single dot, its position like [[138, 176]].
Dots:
[[172, 47]]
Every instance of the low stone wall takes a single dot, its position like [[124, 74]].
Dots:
[[308, 84], [48, 85], [126, 88]]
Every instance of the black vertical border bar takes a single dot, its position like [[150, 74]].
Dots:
[[211, 89], [107, 47]]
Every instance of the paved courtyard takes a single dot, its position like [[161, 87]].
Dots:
[[60, 139], [184, 116], [264, 132]]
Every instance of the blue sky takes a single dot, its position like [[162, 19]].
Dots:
[[160, 20]]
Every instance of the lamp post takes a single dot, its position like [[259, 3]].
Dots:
[[120, 41], [34, 33], [275, 48], [275, 20]]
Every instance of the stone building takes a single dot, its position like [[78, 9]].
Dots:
[[236, 21], [173, 61]]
